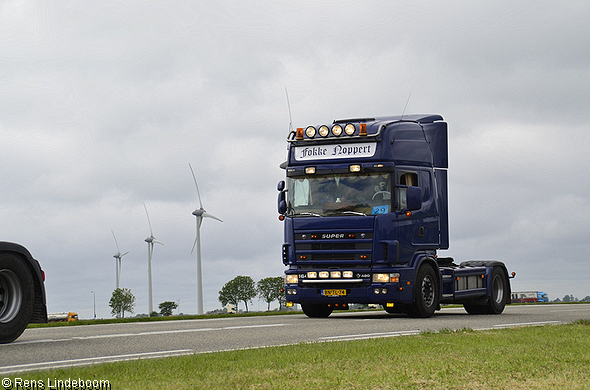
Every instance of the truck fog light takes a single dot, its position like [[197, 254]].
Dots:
[[383, 291], [312, 275], [376, 291], [347, 274], [310, 132], [337, 130], [335, 274], [323, 130], [292, 279], [324, 274], [291, 291]]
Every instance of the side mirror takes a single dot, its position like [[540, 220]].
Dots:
[[281, 186], [282, 205], [414, 198]]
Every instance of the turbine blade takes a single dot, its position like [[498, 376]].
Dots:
[[196, 236], [116, 243], [195, 179], [158, 242], [206, 214], [148, 217], [123, 254]]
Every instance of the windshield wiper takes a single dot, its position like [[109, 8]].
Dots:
[[310, 214], [354, 213]]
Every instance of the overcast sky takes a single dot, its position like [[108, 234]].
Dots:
[[104, 104]]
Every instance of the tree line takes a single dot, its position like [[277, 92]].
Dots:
[[243, 289], [239, 289]]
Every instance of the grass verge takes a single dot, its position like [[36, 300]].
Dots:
[[547, 357]]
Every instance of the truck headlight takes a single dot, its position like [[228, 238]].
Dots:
[[380, 278], [386, 278], [292, 279]]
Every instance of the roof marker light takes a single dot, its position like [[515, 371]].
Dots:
[[363, 130], [299, 134]]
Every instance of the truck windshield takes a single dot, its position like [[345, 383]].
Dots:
[[339, 194]]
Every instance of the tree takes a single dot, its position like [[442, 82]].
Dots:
[[167, 307], [269, 290], [121, 301], [240, 288]]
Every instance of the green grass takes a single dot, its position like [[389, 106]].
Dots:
[[547, 357]]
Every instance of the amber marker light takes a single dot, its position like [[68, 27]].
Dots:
[[363, 130], [299, 134], [408, 214]]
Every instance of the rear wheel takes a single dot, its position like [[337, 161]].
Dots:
[[497, 300], [426, 297], [316, 310], [16, 297]]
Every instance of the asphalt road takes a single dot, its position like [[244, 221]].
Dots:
[[44, 348]]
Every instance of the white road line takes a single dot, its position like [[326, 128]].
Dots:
[[87, 361], [370, 335], [526, 324], [151, 333]]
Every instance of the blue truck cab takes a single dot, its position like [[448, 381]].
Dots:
[[365, 209]]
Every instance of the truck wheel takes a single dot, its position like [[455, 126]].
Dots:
[[17, 294], [316, 311], [499, 291], [426, 291], [497, 301]]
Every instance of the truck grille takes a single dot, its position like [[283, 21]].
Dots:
[[324, 247]]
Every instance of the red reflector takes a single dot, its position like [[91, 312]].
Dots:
[[43, 274]]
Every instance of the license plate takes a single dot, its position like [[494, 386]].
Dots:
[[334, 292]]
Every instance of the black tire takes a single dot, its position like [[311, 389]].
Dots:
[[474, 309], [17, 294], [426, 293], [316, 310], [497, 301], [500, 291]]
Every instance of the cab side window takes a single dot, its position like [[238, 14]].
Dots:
[[404, 180]]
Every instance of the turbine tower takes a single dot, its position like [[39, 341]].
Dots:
[[117, 257], [199, 213], [150, 241]]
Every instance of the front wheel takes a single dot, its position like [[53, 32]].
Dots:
[[426, 293], [316, 311], [16, 297]]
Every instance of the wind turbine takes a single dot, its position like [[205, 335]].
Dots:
[[150, 240], [200, 213], [117, 257]]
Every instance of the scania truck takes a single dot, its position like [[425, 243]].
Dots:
[[22, 291], [365, 210]]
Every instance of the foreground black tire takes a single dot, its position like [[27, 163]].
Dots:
[[316, 311], [17, 294], [426, 293]]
